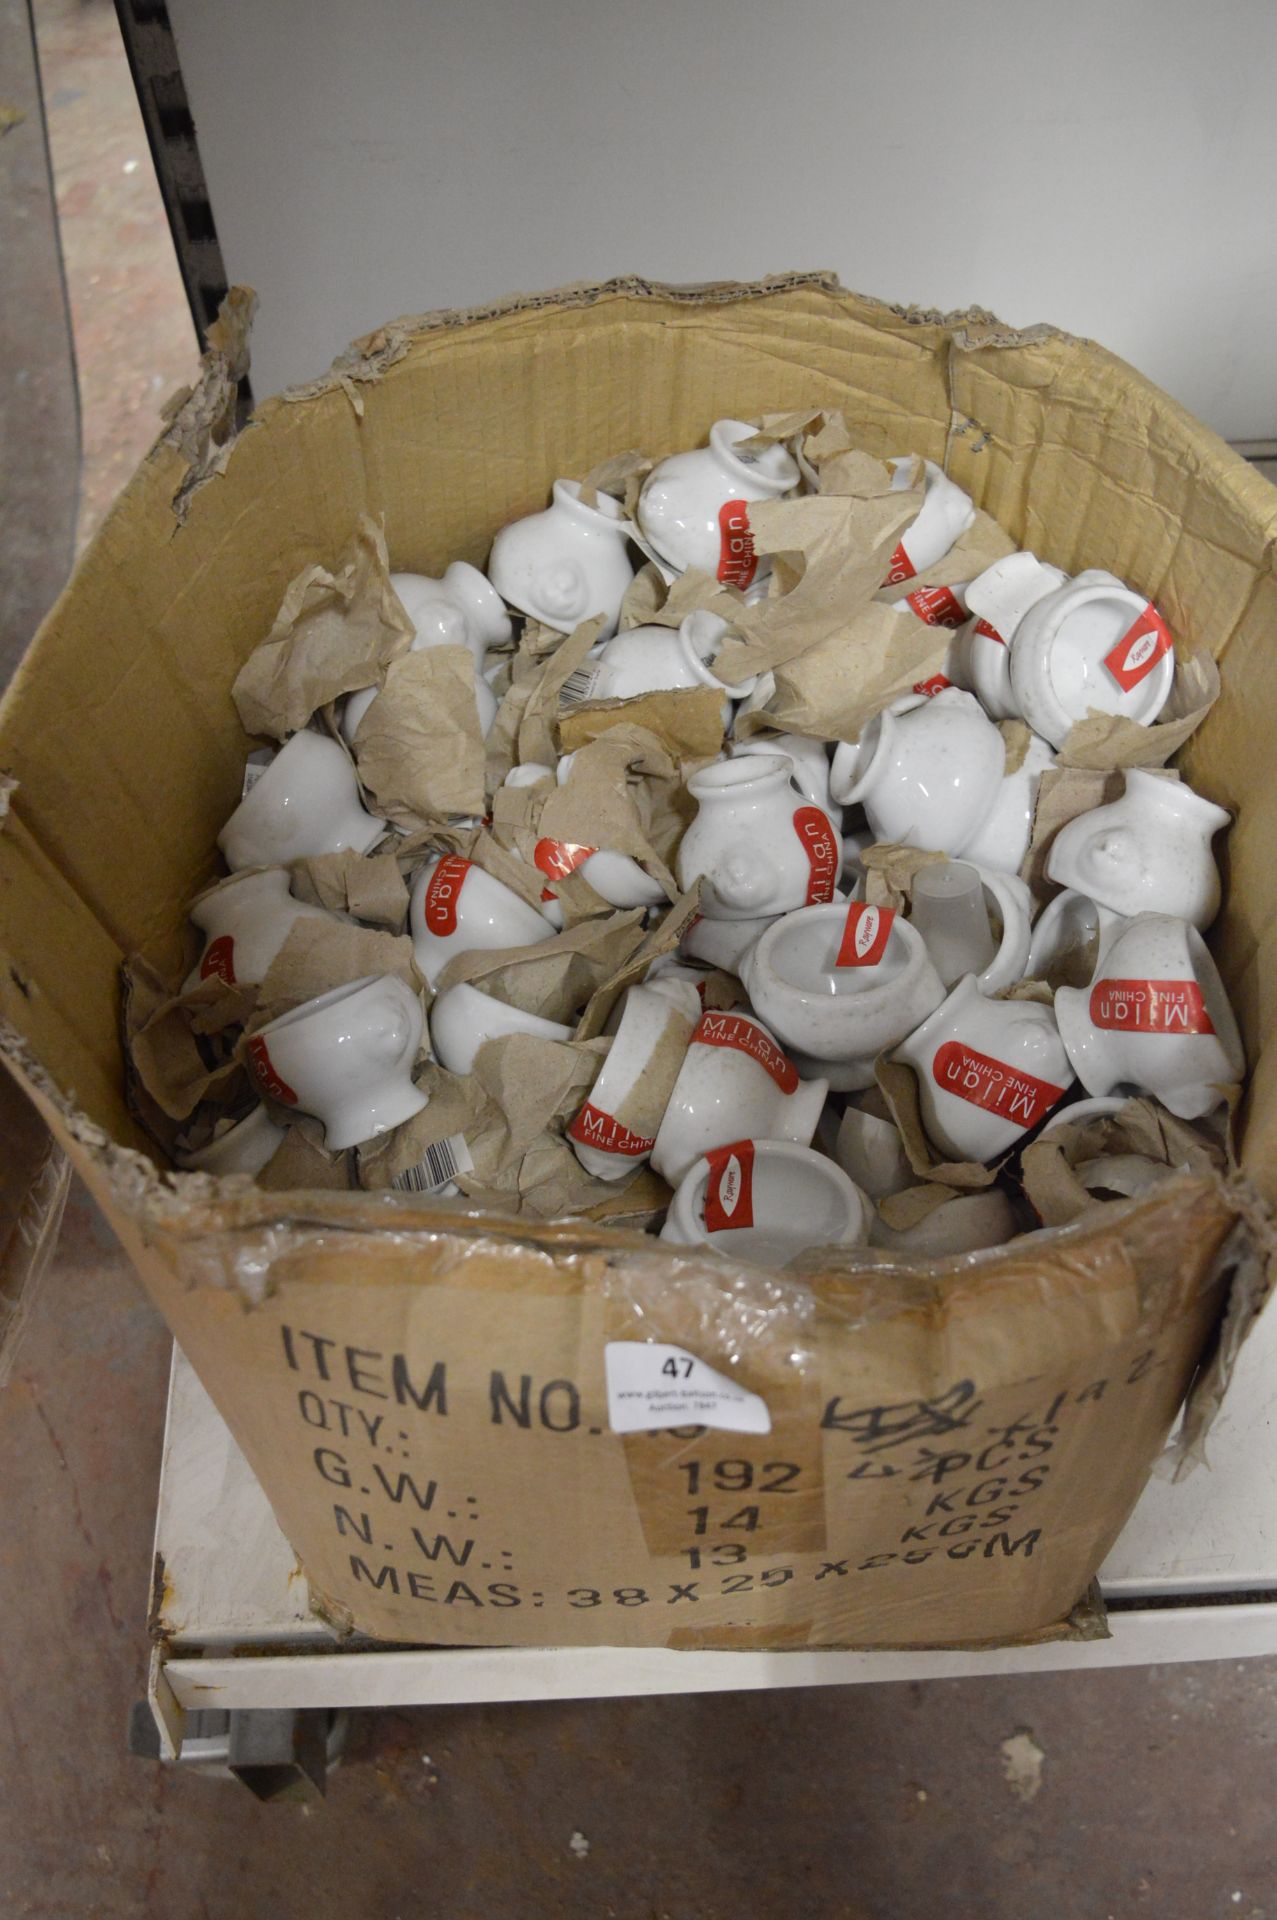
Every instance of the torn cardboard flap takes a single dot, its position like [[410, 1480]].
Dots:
[[557, 978], [899, 1086], [368, 886], [1107, 740], [833, 690], [419, 748], [201, 419], [336, 631]]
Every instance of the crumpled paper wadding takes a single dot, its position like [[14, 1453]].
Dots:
[[1140, 1127], [334, 632], [419, 748], [368, 886], [557, 978]]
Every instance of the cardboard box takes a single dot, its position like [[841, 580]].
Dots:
[[951, 1451]]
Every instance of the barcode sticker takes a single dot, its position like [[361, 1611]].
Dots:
[[254, 767], [437, 1167], [578, 686], [651, 1385]]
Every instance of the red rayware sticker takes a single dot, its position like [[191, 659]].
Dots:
[[990, 633], [824, 853], [938, 606], [865, 935], [219, 961], [1139, 649], [729, 1192], [1150, 1006], [594, 1128], [733, 1030], [936, 684], [559, 858], [901, 568], [737, 561], [992, 1084], [264, 1072], [446, 882]]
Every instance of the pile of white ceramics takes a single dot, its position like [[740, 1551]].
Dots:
[[829, 984]]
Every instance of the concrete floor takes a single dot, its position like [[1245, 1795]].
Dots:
[[1156, 1786]]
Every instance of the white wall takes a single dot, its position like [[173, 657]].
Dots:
[[1110, 165]]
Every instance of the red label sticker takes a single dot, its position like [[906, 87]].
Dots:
[[446, 882], [1150, 1006], [559, 858], [936, 684], [938, 606], [901, 568], [729, 1192], [264, 1072], [734, 1030], [865, 935], [823, 850], [737, 561], [992, 1084], [1139, 649], [594, 1128], [219, 961], [990, 633]]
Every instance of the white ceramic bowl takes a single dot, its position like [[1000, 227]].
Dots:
[[456, 907], [306, 802], [567, 563], [766, 1202], [245, 922], [927, 770], [1155, 1019], [966, 1224], [870, 1151], [648, 1047], [692, 509], [735, 1083], [462, 1018], [1090, 645], [988, 1071], [841, 983], [1149, 852], [347, 1057], [245, 1147], [759, 845], [945, 515]]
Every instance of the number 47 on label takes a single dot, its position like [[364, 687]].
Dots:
[[651, 1385]]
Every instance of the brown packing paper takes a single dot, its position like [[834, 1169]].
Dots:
[[303, 1161], [622, 475], [983, 543], [661, 939], [1108, 740], [557, 978], [319, 955], [688, 723], [457, 1104], [842, 546], [1140, 1127], [615, 787], [334, 632], [182, 1045], [890, 870], [368, 886], [900, 1211], [419, 748], [899, 1086], [831, 691], [652, 601], [537, 736]]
